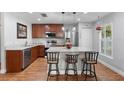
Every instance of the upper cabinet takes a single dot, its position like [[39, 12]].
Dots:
[[59, 32], [38, 30], [52, 27]]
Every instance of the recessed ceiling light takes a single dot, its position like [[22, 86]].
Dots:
[[85, 12], [39, 19], [78, 19], [30, 12]]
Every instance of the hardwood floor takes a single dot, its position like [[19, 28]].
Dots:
[[37, 71]]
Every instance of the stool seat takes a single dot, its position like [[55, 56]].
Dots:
[[53, 62]]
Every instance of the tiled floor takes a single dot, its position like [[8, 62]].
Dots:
[[37, 71]]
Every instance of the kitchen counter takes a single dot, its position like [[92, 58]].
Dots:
[[19, 57], [64, 49], [20, 47]]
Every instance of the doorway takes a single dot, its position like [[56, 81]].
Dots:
[[86, 38]]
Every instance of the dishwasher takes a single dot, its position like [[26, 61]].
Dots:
[[26, 57]]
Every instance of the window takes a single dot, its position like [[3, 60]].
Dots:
[[106, 40]]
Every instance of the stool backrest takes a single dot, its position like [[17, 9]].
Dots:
[[91, 56], [52, 56], [72, 58]]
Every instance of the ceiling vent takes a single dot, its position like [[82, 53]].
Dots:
[[43, 15]]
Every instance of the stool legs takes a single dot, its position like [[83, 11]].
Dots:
[[91, 70], [50, 69], [74, 69], [83, 69], [86, 71], [94, 72]]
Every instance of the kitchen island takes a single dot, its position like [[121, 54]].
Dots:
[[63, 51]]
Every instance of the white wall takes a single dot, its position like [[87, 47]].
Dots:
[[10, 29], [117, 63], [9, 35], [3, 65], [0, 37]]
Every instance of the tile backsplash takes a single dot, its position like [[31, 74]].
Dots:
[[44, 41]]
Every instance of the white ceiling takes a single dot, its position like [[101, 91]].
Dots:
[[58, 17]]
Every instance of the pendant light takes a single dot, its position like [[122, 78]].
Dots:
[[99, 24], [74, 28], [63, 21]]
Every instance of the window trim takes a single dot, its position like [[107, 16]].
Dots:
[[100, 39]]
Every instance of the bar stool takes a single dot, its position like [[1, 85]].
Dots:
[[89, 64], [71, 59], [53, 59]]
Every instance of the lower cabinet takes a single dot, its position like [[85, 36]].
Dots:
[[41, 51], [38, 51], [15, 58]]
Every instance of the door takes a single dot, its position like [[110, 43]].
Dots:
[[85, 39]]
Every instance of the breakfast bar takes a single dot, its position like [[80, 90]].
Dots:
[[63, 51]]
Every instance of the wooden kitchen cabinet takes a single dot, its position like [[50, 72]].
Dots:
[[38, 30], [59, 32], [14, 59], [33, 54], [52, 28], [37, 51], [42, 27], [41, 50]]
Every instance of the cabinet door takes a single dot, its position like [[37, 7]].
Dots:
[[32, 54], [52, 27], [14, 60], [38, 31], [42, 30], [59, 32], [41, 50]]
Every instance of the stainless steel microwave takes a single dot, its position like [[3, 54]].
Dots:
[[50, 34]]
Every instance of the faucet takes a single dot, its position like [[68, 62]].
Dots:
[[26, 43]]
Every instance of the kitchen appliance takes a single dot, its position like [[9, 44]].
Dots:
[[50, 43], [26, 57], [50, 34]]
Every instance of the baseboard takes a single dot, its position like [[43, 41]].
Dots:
[[120, 72], [2, 71]]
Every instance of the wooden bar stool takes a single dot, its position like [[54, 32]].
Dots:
[[53, 59], [71, 59], [89, 64]]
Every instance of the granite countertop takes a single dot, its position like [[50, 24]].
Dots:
[[64, 49], [20, 47]]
